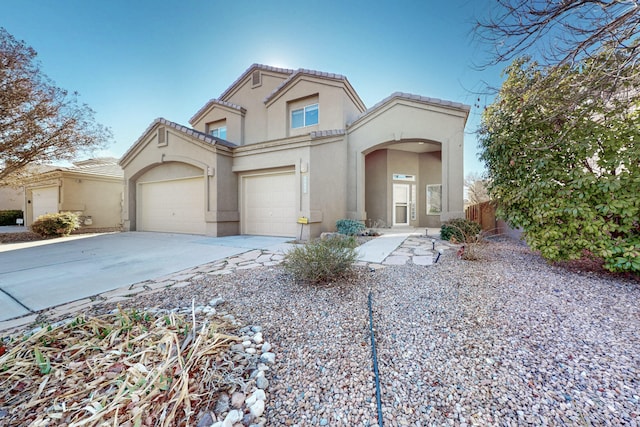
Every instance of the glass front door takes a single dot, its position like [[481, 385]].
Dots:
[[401, 204]]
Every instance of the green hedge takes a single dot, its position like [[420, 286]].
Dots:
[[9, 217], [350, 227]]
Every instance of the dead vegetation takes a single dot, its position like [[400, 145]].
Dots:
[[122, 369]]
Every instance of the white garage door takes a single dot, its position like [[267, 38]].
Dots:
[[44, 201], [175, 206], [269, 205]]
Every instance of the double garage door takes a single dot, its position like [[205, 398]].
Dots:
[[268, 205]]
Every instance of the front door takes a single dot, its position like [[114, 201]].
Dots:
[[401, 204]]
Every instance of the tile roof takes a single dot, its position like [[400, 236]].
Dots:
[[248, 71], [214, 101], [412, 97], [191, 132], [105, 166], [303, 71], [186, 130]]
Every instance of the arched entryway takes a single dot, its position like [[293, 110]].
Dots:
[[400, 179]]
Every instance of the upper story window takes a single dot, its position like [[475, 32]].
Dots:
[[219, 132], [307, 116]]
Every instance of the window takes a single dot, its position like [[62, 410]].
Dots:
[[307, 116], [220, 132], [434, 199]]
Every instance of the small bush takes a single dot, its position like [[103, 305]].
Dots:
[[9, 217], [322, 261], [55, 225], [460, 230], [350, 227]]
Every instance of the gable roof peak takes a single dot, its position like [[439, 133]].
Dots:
[[313, 73], [248, 71], [413, 97], [211, 103]]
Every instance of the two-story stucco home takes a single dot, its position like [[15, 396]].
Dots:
[[281, 144]]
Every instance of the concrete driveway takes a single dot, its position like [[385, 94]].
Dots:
[[39, 275]]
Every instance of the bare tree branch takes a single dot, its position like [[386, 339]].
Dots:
[[39, 122], [562, 32]]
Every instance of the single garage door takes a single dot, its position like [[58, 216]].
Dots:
[[269, 204], [44, 200], [175, 206]]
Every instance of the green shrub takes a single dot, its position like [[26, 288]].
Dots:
[[460, 230], [55, 225], [350, 227], [9, 217], [321, 261]]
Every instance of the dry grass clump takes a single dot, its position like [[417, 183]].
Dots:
[[122, 369]]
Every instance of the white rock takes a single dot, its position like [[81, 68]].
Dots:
[[257, 409], [268, 358], [257, 338], [266, 347], [255, 396], [232, 418]]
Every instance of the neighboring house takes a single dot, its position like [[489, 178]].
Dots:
[[279, 145], [92, 188], [11, 198]]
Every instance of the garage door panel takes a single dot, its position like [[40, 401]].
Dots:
[[175, 206], [269, 205], [44, 200]]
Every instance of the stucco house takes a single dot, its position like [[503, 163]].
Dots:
[[92, 188], [282, 146]]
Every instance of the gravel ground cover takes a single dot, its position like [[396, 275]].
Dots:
[[505, 341]]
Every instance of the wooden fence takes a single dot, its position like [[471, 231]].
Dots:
[[485, 214]]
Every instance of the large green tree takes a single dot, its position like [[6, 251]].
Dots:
[[39, 122], [564, 158]]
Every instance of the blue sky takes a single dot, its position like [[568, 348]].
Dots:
[[134, 61]]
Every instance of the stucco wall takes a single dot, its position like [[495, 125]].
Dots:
[[252, 99], [170, 170], [100, 199], [233, 120], [331, 107], [376, 190], [327, 190], [11, 198], [430, 173]]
